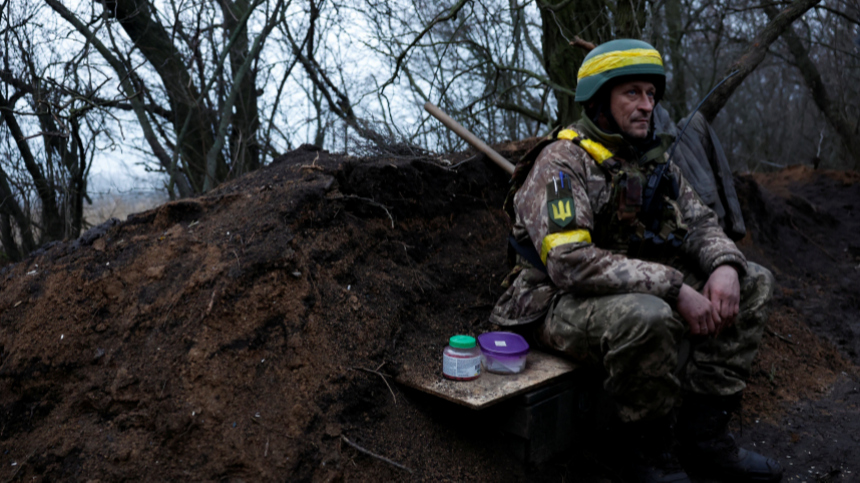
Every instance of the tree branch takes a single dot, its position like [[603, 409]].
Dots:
[[43, 187], [754, 55], [452, 13], [815, 83], [524, 111], [9, 206], [125, 83], [342, 108], [219, 67], [212, 156]]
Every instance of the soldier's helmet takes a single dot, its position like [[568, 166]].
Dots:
[[619, 58]]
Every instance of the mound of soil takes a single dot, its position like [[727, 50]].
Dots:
[[803, 404], [253, 334]]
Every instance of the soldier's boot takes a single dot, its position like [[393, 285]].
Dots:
[[707, 448], [652, 453]]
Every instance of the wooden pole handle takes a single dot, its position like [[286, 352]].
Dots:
[[469, 137]]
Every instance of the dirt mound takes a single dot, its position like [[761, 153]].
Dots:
[[225, 336], [241, 336], [805, 225]]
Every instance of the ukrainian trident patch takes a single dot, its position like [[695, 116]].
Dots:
[[559, 206]]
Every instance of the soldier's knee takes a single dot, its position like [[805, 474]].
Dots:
[[761, 283], [653, 310], [648, 317]]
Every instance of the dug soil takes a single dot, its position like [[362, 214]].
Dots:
[[255, 333]]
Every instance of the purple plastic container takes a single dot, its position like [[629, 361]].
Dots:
[[503, 352]]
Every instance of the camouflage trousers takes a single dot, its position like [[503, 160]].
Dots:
[[639, 339]]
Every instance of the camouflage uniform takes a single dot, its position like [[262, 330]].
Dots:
[[605, 299]]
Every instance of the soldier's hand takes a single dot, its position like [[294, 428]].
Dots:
[[698, 311], [724, 291]]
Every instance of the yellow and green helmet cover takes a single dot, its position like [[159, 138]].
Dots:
[[619, 58]]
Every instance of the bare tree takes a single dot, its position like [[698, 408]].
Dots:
[[754, 55], [206, 91], [835, 112], [52, 114], [597, 21]]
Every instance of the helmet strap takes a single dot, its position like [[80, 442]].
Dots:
[[608, 122]]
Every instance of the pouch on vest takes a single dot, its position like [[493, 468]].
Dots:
[[628, 193]]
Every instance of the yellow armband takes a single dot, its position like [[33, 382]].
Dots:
[[562, 238]]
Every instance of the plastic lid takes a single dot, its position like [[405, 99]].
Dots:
[[462, 341], [503, 343]]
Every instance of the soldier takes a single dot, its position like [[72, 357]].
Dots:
[[620, 262]]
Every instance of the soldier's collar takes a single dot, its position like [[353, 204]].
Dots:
[[614, 142], [618, 144]]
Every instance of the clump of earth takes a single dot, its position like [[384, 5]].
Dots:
[[255, 333]]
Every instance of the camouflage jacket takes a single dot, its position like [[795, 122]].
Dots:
[[569, 209]]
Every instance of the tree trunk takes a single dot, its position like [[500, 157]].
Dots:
[[588, 19], [813, 80], [561, 59], [77, 183], [9, 246], [629, 19], [244, 147], [52, 221], [676, 94], [753, 56], [10, 208], [58, 149], [182, 183], [140, 23]]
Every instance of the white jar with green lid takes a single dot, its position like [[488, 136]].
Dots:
[[461, 359]]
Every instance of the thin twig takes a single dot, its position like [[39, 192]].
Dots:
[[313, 165], [27, 459], [478, 156], [374, 203], [211, 302], [398, 62], [380, 458], [810, 240], [47, 133], [380, 375], [316, 168], [785, 339]]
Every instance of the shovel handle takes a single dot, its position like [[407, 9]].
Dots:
[[469, 137]]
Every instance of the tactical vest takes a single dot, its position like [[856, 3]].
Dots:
[[642, 219]]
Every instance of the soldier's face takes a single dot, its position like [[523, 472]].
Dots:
[[631, 104]]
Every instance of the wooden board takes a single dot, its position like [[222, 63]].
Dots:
[[488, 389]]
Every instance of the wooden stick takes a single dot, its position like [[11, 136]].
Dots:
[[778, 336], [582, 44], [380, 375], [469, 137], [26, 460], [380, 458], [810, 240], [374, 203]]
